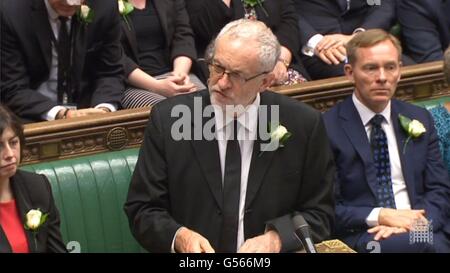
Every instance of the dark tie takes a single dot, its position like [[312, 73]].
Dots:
[[63, 49], [231, 195], [378, 141]]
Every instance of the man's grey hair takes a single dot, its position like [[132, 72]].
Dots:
[[251, 30]]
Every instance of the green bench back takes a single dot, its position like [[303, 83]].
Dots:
[[90, 192], [428, 104]]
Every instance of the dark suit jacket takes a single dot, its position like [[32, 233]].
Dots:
[[26, 57], [426, 178], [32, 191], [177, 32], [331, 16], [208, 17], [179, 183], [425, 28]]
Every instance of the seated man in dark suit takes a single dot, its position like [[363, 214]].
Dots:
[[327, 25], [232, 189], [391, 183], [425, 28], [59, 63]]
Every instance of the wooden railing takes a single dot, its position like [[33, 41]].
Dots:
[[125, 129], [61, 139]]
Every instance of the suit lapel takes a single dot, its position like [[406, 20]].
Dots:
[[354, 129], [161, 8], [44, 33], [24, 204], [406, 159], [207, 152], [260, 162], [130, 35]]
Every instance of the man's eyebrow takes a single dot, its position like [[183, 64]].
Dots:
[[231, 70]]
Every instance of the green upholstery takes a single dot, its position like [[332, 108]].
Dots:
[[90, 192], [428, 104]]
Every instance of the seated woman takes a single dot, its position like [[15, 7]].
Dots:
[[29, 219], [441, 116], [159, 50], [208, 17]]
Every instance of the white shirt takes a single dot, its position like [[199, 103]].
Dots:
[[49, 87], [398, 181], [247, 133]]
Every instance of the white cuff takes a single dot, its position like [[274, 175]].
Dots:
[[110, 106], [360, 29], [309, 48], [372, 219], [51, 115]]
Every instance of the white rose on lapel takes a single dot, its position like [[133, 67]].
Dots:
[[86, 14], [125, 8], [34, 219], [416, 128], [278, 136], [278, 133], [121, 6], [413, 128]]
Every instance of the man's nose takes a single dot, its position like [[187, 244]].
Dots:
[[224, 81], [382, 75]]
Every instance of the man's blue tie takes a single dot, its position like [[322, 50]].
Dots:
[[378, 141]]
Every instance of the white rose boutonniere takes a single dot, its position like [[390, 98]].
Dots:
[[86, 14], [278, 136], [34, 219], [125, 8], [413, 128]]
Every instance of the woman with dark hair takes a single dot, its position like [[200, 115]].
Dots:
[[29, 219]]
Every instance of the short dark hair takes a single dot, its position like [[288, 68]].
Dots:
[[9, 120], [370, 38]]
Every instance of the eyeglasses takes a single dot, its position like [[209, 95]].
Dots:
[[218, 71]]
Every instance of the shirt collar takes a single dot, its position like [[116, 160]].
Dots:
[[51, 12], [247, 119], [366, 114]]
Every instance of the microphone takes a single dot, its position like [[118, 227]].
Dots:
[[302, 233]]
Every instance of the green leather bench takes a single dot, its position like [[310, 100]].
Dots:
[[90, 192]]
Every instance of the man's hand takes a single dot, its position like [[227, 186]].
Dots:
[[72, 113], [189, 241], [401, 218], [269, 242], [175, 85], [384, 232], [334, 55]]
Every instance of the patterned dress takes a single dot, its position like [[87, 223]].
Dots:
[[442, 123]]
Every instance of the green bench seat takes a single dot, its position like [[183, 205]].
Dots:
[[90, 192]]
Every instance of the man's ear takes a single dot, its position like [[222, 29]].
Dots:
[[400, 65], [267, 81], [348, 69]]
